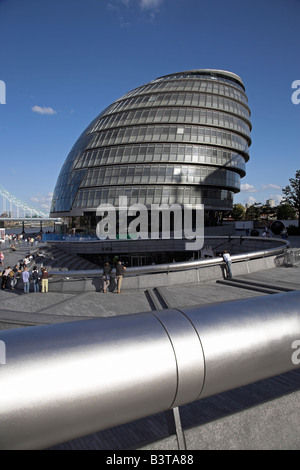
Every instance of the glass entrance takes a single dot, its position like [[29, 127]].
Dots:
[[138, 260]]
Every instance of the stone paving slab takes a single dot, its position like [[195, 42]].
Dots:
[[17, 310], [188, 295], [41, 306], [281, 276], [52, 307], [221, 421]]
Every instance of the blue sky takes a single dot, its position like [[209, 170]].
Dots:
[[64, 61]]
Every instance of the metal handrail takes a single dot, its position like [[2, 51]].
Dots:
[[68, 380], [184, 265]]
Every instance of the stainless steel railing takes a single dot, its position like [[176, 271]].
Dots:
[[180, 266], [68, 380]]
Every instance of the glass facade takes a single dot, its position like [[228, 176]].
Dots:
[[182, 138]]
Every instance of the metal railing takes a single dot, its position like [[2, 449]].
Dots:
[[68, 380], [180, 266]]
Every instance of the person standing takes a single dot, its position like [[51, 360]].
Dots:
[[25, 279], [36, 279], [15, 277], [120, 269], [5, 278], [227, 259], [106, 276], [45, 277], [284, 233], [1, 258]]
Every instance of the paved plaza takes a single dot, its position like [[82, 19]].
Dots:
[[217, 413], [18, 310]]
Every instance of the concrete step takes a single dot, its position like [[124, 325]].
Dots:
[[85, 264], [257, 288], [272, 285], [156, 299], [161, 297], [67, 260]]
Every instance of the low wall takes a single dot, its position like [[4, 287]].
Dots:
[[249, 254], [234, 244], [197, 275]]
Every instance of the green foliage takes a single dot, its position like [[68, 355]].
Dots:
[[292, 193], [285, 212], [238, 212], [253, 212]]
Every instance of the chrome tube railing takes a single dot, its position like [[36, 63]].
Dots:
[[179, 266], [68, 380]]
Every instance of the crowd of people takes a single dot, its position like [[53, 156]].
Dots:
[[39, 279], [36, 280], [33, 278], [11, 276], [15, 239]]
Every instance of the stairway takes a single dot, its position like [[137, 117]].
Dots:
[[267, 288], [58, 259]]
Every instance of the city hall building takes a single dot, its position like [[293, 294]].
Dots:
[[181, 139]]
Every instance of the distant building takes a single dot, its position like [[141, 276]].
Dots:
[[271, 202]]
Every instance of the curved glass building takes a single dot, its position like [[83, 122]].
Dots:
[[181, 138]]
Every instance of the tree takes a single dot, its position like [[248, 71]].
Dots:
[[286, 212], [253, 211], [238, 212], [292, 194]]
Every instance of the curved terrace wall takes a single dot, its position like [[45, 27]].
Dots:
[[249, 254]]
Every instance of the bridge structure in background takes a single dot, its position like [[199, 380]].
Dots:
[[11, 204], [28, 220], [25, 213]]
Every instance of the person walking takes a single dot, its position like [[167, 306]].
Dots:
[[1, 258], [36, 279], [227, 259], [25, 279], [120, 269], [45, 277], [106, 277]]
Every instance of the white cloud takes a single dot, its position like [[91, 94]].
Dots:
[[250, 200], [42, 201], [116, 9], [277, 197], [43, 110], [270, 186], [112, 7], [126, 9], [248, 188], [150, 4]]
